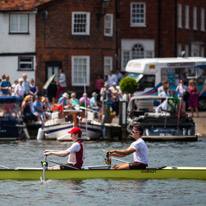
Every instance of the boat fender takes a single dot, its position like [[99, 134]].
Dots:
[[40, 134]]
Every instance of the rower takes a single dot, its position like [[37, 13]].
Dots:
[[75, 152], [138, 148]]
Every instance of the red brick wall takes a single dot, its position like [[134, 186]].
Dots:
[[55, 41]]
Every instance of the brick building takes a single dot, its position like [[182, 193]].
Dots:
[[91, 37], [77, 36], [159, 28]]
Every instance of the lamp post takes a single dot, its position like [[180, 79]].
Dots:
[[104, 5]]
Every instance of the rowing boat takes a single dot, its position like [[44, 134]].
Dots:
[[105, 173]]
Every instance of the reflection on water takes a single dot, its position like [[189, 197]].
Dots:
[[102, 192]]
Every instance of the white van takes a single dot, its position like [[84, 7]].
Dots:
[[150, 73]]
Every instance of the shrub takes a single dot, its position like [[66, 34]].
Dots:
[[128, 85]]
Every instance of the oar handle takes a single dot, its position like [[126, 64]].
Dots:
[[44, 165]]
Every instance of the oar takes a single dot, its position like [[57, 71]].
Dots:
[[69, 166], [113, 158], [44, 164], [4, 167]]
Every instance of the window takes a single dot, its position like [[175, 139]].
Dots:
[[108, 25], [126, 58], [26, 63], [138, 14], [195, 18], [186, 50], [19, 23], [179, 12], [137, 51], [80, 70], [107, 65], [179, 49], [80, 23], [202, 51], [187, 17], [147, 81], [202, 19]]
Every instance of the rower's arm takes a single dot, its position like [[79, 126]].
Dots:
[[61, 153], [121, 153]]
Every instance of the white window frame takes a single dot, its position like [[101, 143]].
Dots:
[[195, 18], [179, 12], [142, 24], [87, 30], [187, 17], [83, 82], [179, 49], [110, 65], [202, 19], [202, 51], [18, 17], [108, 25], [186, 50], [21, 62]]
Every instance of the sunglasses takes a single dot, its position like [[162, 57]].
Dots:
[[135, 131]]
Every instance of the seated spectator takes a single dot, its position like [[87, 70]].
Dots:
[[20, 89], [38, 109], [84, 101], [74, 101], [64, 101], [115, 94], [46, 107], [26, 110], [93, 102], [33, 88]]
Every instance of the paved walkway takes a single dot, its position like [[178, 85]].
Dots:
[[200, 123]]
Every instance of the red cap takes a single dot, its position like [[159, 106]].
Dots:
[[75, 130]]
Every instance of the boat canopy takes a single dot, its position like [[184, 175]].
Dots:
[[9, 99]]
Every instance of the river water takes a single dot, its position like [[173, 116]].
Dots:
[[104, 192]]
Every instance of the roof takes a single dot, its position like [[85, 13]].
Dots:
[[21, 5]]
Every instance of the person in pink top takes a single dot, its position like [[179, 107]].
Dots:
[[99, 85], [75, 152], [193, 99]]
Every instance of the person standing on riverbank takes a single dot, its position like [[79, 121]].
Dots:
[[75, 152], [193, 99], [138, 148], [62, 84]]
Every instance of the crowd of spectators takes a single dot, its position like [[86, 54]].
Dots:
[[37, 108], [187, 95]]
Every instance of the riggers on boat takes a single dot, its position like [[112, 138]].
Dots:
[[103, 172]]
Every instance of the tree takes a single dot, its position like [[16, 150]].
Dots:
[[128, 85]]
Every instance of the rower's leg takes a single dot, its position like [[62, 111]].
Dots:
[[56, 167], [124, 166]]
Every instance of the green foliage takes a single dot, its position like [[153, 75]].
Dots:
[[128, 85]]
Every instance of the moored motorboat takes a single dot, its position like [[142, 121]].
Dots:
[[12, 126], [169, 123], [105, 173]]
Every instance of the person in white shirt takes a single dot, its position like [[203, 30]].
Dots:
[[20, 89], [112, 78], [75, 152], [138, 149], [183, 94], [61, 82]]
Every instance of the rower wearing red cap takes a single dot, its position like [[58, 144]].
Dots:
[[75, 152]]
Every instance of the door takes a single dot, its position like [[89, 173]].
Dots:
[[52, 68]]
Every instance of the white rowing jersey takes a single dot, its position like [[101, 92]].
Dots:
[[141, 151]]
